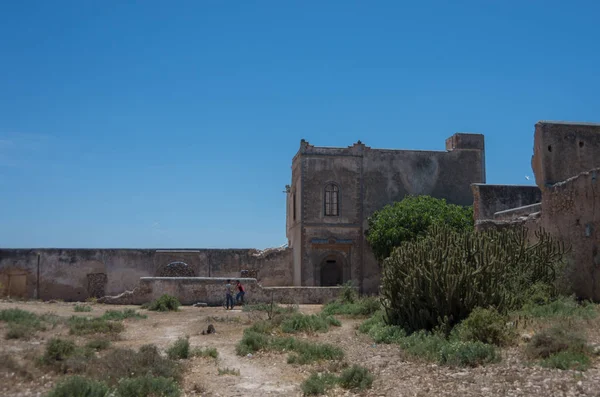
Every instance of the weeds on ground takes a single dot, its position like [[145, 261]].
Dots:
[[80, 387], [562, 307], [64, 356], [21, 323], [299, 322], [147, 386], [58, 350], [206, 352], [180, 349], [431, 346], [10, 365], [85, 326], [559, 347], [355, 377], [117, 315], [365, 306], [165, 303], [228, 371], [318, 383], [83, 308]]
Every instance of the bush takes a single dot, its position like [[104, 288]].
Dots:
[[299, 322], [485, 325], [356, 377], [410, 218], [252, 342], [228, 371], [147, 386], [317, 384], [333, 321], [443, 276], [164, 304], [83, 308], [98, 325], [21, 323], [119, 363], [469, 354], [58, 349], [20, 331], [567, 360], [116, 315], [207, 352], [561, 307], [555, 340], [77, 386], [365, 306], [180, 349]]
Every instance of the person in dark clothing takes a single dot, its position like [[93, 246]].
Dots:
[[241, 292], [229, 294]]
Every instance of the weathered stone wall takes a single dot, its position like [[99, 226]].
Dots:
[[211, 291], [489, 199], [76, 274]]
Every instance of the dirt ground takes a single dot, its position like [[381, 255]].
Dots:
[[269, 374]]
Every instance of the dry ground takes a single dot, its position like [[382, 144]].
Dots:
[[268, 373]]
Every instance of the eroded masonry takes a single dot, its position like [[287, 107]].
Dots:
[[332, 193]]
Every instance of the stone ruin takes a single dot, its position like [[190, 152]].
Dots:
[[565, 202]]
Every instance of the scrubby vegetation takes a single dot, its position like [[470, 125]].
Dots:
[[83, 308], [228, 371], [350, 304], [180, 349], [23, 324], [165, 303], [98, 325], [355, 377], [206, 352], [117, 315]]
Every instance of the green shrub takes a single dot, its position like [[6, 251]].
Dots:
[[119, 363], [251, 342], [83, 308], [440, 278], [567, 360], [180, 349], [333, 321], [365, 306], [555, 340], [299, 322], [561, 307], [410, 218], [147, 386], [469, 354], [308, 352], [58, 349], [98, 325], [207, 352], [485, 325], [165, 303], [356, 377], [117, 315], [98, 344], [317, 384], [77, 386], [21, 323], [19, 331]]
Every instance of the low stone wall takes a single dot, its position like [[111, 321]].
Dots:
[[490, 199], [211, 290]]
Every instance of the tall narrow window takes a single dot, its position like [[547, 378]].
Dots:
[[294, 199], [332, 202]]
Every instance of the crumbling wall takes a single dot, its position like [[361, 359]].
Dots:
[[77, 274], [490, 199]]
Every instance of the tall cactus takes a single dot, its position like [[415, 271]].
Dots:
[[446, 274]]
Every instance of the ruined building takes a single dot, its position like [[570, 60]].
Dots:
[[334, 190], [565, 202]]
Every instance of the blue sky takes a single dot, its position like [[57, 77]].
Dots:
[[173, 124]]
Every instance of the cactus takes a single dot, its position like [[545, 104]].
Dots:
[[440, 278]]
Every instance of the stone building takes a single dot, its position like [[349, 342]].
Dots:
[[333, 192]]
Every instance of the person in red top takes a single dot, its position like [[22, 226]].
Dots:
[[241, 292]]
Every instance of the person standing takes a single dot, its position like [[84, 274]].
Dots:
[[228, 295], [241, 292]]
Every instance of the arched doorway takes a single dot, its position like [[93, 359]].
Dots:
[[332, 271]]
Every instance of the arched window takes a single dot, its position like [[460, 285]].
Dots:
[[332, 202]]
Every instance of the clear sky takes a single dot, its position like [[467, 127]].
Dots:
[[173, 124]]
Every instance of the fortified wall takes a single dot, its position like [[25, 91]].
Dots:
[[77, 274], [566, 165]]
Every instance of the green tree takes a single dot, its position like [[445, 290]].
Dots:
[[410, 218]]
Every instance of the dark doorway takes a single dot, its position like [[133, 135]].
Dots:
[[332, 271]]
